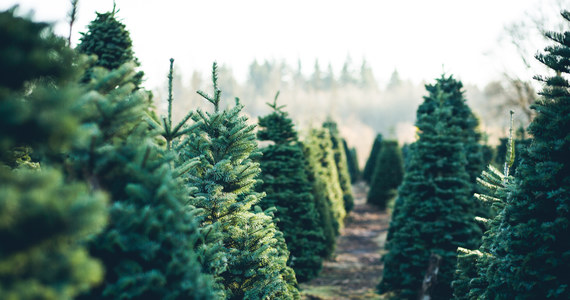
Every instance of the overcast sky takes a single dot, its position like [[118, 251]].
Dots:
[[417, 37]]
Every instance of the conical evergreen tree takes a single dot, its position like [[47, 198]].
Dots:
[[531, 247], [388, 174], [321, 158], [225, 176], [341, 165], [371, 162], [44, 217], [352, 162], [289, 190], [109, 39], [436, 213], [147, 248]]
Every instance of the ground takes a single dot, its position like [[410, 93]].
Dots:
[[356, 268]]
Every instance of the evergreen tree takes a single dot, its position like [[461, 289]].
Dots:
[[531, 247], [44, 217], [371, 162], [225, 176], [289, 190], [341, 165], [388, 175], [109, 39], [147, 248], [326, 189], [352, 162], [436, 213]]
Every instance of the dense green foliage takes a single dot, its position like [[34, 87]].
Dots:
[[326, 189], [371, 162], [341, 163], [529, 245], [288, 189], [44, 216], [225, 176], [109, 39], [436, 211], [352, 162], [388, 174]]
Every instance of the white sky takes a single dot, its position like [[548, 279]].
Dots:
[[415, 36]]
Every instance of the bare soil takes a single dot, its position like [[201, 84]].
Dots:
[[356, 268]]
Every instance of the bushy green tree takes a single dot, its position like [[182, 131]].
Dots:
[[531, 247], [326, 189], [148, 247], [44, 217], [371, 162], [341, 165], [388, 174], [436, 213], [225, 176], [352, 162], [109, 39], [288, 189]]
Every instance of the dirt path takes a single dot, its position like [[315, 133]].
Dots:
[[355, 271]]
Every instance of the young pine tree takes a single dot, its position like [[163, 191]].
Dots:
[[109, 39], [388, 175], [352, 162], [531, 247], [148, 247], [341, 165], [326, 190], [225, 176], [288, 189], [371, 162], [436, 213], [44, 216]]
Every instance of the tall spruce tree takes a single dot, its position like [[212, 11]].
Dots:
[[109, 39], [436, 213], [531, 247], [388, 174], [371, 162], [288, 189], [352, 162], [341, 163], [148, 247], [44, 216], [225, 176]]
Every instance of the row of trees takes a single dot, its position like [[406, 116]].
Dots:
[[101, 198], [517, 224]]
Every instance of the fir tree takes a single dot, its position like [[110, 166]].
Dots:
[[44, 216], [341, 165], [352, 162], [109, 39], [225, 176], [371, 162], [531, 247], [388, 175], [148, 247], [326, 189], [436, 211], [289, 190]]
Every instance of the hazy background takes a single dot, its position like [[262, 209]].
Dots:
[[364, 63]]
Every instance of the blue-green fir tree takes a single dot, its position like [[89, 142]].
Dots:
[[288, 189], [44, 216], [436, 212], [531, 247], [341, 163], [225, 145], [388, 175], [352, 162], [148, 246], [108, 38], [371, 162]]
